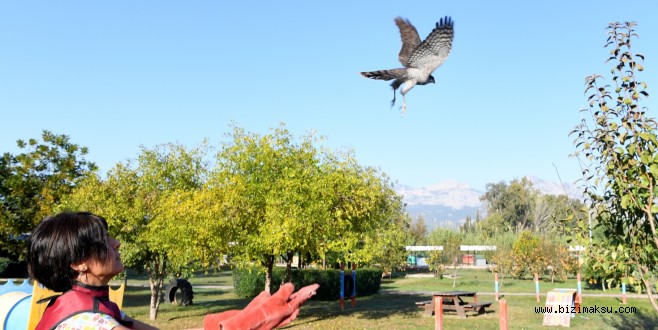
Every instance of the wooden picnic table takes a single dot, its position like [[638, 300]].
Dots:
[[452, 301]]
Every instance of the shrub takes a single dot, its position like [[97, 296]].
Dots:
[[249, 282]]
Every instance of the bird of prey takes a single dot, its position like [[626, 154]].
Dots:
[[419, 58]]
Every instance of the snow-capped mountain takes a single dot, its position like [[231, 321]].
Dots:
[[448, 203]]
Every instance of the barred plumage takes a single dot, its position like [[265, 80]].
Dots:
[[419, 58]]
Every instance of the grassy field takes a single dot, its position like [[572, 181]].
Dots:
[[394, 307], [481, 280]]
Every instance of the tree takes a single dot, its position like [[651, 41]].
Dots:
[[557, 259], [273, 195], [32, 183], [559, 214], [385, 247], [617, 146], [469, 226], [513, 202], [418, 231], [503, 259], [362, 202], [528, 256], [158, 210], [451, 242], [285, 196]]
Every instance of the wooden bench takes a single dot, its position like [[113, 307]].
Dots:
[[477, 307], [427, 306]]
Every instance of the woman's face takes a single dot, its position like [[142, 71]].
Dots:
[[100, 273]]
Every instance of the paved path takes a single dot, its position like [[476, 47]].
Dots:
[[612, 295]]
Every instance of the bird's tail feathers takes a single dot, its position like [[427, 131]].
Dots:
[[385, 74]]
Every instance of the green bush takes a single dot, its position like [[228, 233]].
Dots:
[[249, 282]]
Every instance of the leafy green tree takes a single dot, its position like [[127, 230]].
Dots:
[[385, 247], [528, 256], [273, 195], [513, 202], [557, 260], [494, 225], [519, 206], [285, 196], [451, 242], [617, 145], [417, 231], [33, 182], [469, 226], [436, 263], [157, 208], [375, 216], [503, 259]]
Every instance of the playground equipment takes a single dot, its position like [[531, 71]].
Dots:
[[347, 284], [186, 292], [20, 308], [15, 305]]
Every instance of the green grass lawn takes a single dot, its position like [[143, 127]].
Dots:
[[395, 307], [481, 280]]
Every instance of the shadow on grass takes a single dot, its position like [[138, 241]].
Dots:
[[378, 306], [212, 306], [140, 297], [639, 320]]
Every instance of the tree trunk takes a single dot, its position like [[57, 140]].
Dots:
[[157, 271], [288, 259], [269, 264], [299, 261], [156, 290], [454, 274]]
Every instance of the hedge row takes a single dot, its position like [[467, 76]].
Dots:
[[249, 282]]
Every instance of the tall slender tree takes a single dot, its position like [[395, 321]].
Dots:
[[618, 146]]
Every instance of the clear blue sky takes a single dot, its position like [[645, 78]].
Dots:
[[120, 74]]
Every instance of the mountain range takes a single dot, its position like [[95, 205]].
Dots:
[[448, 203]]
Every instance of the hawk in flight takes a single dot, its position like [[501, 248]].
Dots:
[[419, 58]]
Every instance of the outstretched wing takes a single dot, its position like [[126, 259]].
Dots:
[[410, 39], [434, 50]]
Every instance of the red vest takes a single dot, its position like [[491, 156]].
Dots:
[[80, 299]]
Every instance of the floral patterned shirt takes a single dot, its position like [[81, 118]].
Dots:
[[88, 321]]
